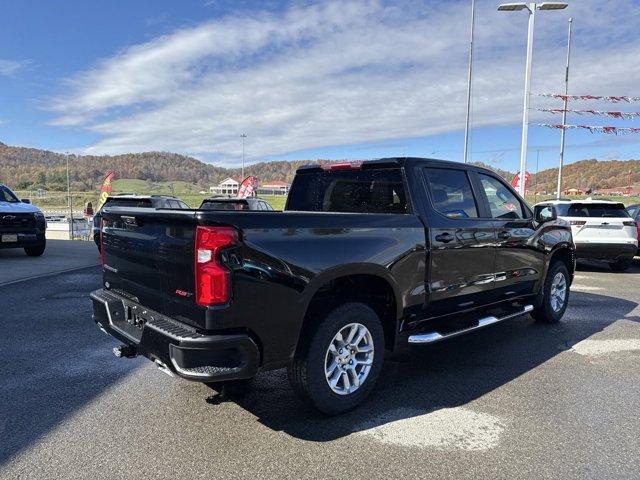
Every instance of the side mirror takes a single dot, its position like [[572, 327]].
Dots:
[[26, 200], [544, 213]]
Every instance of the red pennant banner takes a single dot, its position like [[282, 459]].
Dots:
[[612, 99], [595, 128], [625, 115]]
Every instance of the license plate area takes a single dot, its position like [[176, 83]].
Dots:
[[131, 322], [9, 238]]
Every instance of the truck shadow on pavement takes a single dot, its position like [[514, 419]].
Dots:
[[54, 360], [446, 375]]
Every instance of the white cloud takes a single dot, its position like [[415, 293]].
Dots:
[[8, 68], [338, 73]]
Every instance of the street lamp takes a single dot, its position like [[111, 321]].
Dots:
[[69, 198], [243, 136], [531, 8]]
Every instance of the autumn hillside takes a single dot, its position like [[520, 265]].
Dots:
[[28, 168]]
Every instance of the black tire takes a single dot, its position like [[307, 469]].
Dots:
[[307, 370], [545, 313], [36, 251], [621, 265]]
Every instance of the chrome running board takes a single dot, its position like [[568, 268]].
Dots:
[[432, 337]]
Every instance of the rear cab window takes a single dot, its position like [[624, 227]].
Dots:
[[219, 205], [375, 190], [128, 202], [594, 210]]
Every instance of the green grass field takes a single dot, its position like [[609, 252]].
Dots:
[[187, 192]]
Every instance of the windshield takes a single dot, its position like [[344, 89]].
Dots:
[[7, 195]]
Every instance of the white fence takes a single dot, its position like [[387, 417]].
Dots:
[[59, 226]]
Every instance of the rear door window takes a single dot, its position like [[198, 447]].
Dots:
[[451, 193], [597, 210], [502, 202]]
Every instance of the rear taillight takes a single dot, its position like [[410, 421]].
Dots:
[[629, 223], [213, 285], [578, 222], [101, 242]]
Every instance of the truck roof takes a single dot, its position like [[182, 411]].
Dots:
[[386, 162]]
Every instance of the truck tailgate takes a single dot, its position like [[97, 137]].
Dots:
[[148, 256]]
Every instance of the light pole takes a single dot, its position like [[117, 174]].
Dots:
[[69, 199], [243, 136], [564, 111], [466, 123], [531, 8]]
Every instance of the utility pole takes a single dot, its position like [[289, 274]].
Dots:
[[535, 192], [467, 119], [564, 111], [69, 199], [243, 136]]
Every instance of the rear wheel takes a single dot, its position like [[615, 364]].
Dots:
[[340, 363], [35, 251], [621, 265], [555, 294]]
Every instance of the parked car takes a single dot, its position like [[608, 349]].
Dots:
[[634, 213], [366, 257], [22, 225], [137, 201], [249, 203], [602, 230]]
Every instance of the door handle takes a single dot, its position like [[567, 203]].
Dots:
[[504, 235], [444, 237]]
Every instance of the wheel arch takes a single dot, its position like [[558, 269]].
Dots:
[[565, 253], [372, 285]]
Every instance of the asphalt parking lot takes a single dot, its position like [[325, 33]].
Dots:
[[60, 256], [517, 400]]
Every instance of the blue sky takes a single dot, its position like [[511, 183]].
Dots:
[[348, 79]]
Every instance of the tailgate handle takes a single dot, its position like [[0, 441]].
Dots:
[[129, 220]]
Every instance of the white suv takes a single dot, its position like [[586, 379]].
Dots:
[[602, 230]]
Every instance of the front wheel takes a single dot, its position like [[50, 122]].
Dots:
[[621, 265], [555, 295], [340, 363], [35, 251]]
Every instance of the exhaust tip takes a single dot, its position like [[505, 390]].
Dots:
[[125, 351]]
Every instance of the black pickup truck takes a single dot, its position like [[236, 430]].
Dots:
[[367, 257]]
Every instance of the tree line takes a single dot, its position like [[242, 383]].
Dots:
[[30, 168]]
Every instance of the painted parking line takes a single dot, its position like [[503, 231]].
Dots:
[[596, 348], [47, 274], [585, 288], [455, 428]]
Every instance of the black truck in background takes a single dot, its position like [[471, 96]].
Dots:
[[367, 257]]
